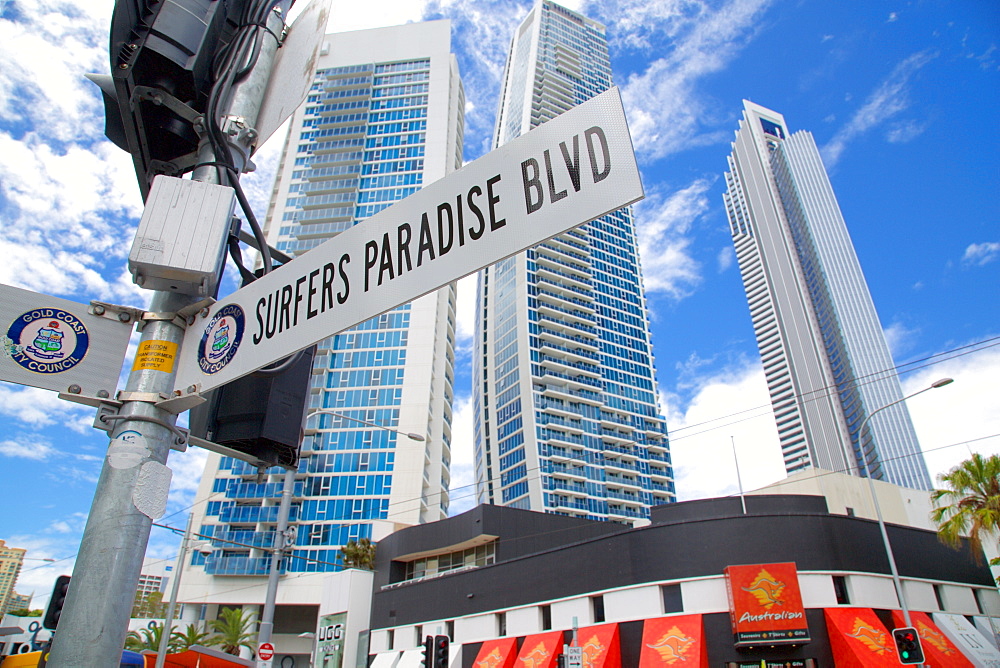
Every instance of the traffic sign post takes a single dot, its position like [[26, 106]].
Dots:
[[564, 173], [135, 481]]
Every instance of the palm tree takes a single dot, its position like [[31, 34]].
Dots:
[[969, 504], [358, 554], [181, 641], [147, 638], [233, 629]]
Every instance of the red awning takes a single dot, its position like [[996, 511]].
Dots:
[[669, 640], [198, 657], [601, 647], [540, 650], [859, 640], [939, 651], [500, 653]]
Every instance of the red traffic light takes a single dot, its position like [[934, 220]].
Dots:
[[908, 645]]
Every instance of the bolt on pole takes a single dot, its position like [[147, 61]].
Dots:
[[134, 483]]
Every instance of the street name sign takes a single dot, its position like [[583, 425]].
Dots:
[[564, 173], [55, 343]]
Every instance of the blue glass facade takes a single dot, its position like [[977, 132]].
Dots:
[[358, 144], [566, 414]]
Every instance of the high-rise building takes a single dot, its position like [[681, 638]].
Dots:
[[825, 357], [566, 414], [384, 117], [11, 559]]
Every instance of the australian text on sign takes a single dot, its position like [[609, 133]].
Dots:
[[562, 174]]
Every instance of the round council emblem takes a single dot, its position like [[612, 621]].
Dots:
[[47, 340], [221, 339]]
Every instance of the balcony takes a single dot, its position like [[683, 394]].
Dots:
[[240, 565], [254, 514], [566, 393], [572, 368], [586, 345]]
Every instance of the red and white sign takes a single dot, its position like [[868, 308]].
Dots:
[[265, 651], [765, 604]]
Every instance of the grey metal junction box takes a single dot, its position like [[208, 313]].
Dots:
[[182, 235]]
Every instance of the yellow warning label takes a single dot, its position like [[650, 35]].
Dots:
[[155, 355]]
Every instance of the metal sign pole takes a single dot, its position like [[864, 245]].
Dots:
[[135, 481]]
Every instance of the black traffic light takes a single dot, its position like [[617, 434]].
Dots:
[[428, 654], [162, 52], [259, 415], [56, 602], [908, 645], [440, 652]]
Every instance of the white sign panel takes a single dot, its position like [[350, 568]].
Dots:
[[569, 171], [54, 343], [968, 639]]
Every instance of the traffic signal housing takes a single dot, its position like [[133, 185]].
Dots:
[[428, 657], [56, 602], [441, 652], [908, 645], [259, 415]]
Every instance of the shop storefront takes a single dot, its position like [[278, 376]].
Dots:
[[786, 584]]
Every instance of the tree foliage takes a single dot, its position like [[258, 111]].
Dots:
[[233, 629], [358, 554], [24, 612], [183, 640], [147, 638], [968, 504], [148, 604]]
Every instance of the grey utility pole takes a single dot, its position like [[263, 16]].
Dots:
[[134, 482], [281, 542]]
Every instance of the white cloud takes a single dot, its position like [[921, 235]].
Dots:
[[24, 447], [664, 222], [664, 110], [981, 254], [891, 97], [463, 465], [43, 57], [465, 310], [904, 131], [41, 408], [951, 422], [956, 420], [899, 338], [725, 258], [187, 468], [728, 406]]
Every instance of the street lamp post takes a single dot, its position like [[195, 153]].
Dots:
[[897, 583], [161, 651], [282, 539]]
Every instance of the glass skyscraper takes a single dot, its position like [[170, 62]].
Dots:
[[384, 117], [566, 415], [825, 357]]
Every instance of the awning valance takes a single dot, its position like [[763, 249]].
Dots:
[[669, 640], [501, 653], [859, 640], [601, 646], [540, 650]]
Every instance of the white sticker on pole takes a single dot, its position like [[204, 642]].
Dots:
[[569, 171]]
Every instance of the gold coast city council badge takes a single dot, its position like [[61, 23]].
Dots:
[[46, 340], [221, 339]]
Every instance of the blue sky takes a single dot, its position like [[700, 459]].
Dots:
[[901, 97]]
